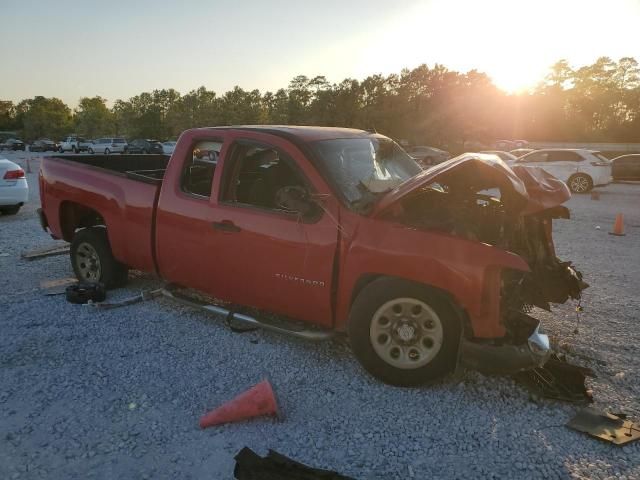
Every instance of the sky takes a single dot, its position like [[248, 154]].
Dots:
[[117, 49]]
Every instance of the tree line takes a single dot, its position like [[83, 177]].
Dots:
[[425, 105]]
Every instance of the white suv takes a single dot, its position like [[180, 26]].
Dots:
[[581, 170], [108, 145]]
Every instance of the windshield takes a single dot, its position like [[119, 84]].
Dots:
[[365, 168]]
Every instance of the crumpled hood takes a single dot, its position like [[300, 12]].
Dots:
[[523, 189]]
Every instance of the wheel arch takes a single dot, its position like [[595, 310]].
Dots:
[[74, 216]]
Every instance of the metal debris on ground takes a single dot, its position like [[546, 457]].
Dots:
[[141, 297], [45, 252], [605, 426], [250, 466], [558, 380]]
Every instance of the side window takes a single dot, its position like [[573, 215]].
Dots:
[[199, 167], [564, 156], [534, 157], [260, 175]]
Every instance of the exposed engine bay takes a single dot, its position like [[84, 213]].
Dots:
[[501, 207]]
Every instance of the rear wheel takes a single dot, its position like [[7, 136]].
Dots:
[[60, 149], [12, 210], [580, 183], [403, 333], [91, 151], [107, 151], [93, 261]]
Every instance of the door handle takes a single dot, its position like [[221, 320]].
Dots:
[[226, 226]]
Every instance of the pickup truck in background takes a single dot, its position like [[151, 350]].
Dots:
[[335, 229], [74, 144]]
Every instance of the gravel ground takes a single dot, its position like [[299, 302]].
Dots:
[[118, 394]]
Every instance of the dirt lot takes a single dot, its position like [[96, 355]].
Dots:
[[118, 394]]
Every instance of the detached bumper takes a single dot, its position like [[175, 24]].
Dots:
[[507, 359]]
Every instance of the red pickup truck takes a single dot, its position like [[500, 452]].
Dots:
[[334, 228]]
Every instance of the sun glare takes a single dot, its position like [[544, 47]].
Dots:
[[515, 43]]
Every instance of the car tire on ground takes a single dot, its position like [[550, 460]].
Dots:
[[404, 333], [580, 183], [91, 151], [107, 151], [93, 261], [10, 210], [60, 149], [74, 149]]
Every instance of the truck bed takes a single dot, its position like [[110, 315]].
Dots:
[[120, 189], [143, 168]]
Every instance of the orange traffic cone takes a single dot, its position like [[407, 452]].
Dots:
[[618, 227], [258, 400]]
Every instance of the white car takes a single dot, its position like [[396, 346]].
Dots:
[[73, 144], [108, 145], [168, 147], [14, 191], [580, 169]]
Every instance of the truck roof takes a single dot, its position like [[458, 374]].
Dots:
[[305, 133]]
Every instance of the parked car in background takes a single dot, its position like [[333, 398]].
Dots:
[[427, 156], [580, 169], [168, 147], [518, 152], [73, 144], [14, 191], [626, 167], [504, 156], [144, 146], [43, 145], [13, 144], [108, 145]]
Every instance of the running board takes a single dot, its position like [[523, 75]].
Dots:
[[307, 334]]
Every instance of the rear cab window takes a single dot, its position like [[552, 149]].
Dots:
[[199, 168]]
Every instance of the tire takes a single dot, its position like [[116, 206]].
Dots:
[[425, 315], [60, 149], [107, 151], [12, 210], [74, 149], [92, 259], [91, 151], [580, 183]]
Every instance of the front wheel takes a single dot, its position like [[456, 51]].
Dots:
[[580, 183], [93, 261], [403, 333]]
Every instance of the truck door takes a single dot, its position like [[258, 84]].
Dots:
[[273, 257], [186, 252]]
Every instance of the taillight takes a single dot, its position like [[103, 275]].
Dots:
[[600, 164], [14, 174]]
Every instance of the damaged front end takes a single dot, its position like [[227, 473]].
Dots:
[[479, 198]]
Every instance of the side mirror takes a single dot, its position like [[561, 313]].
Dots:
[[295, 199]]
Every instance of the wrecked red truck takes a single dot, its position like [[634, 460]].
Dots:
[[315, 230]]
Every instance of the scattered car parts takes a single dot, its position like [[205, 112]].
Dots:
[[84, 292], [275, 466], [557, 379], [605, 426]]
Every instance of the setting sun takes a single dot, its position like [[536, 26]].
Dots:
[[514, 46]]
